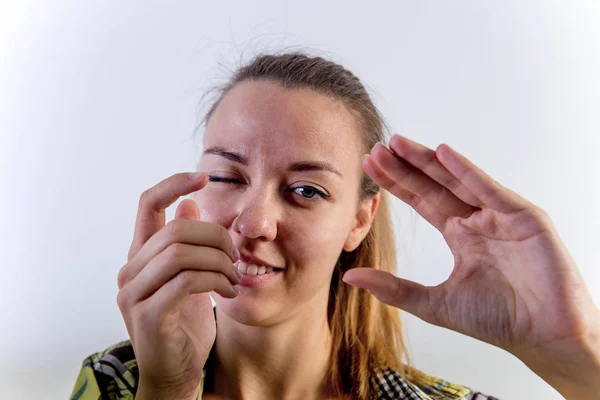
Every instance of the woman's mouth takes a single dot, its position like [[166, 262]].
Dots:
[[256, 275]]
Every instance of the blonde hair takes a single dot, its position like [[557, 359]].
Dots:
[[367, 334]]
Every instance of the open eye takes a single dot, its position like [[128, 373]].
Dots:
[[309, 192]]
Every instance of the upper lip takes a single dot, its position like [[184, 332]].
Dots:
[[247, 258]]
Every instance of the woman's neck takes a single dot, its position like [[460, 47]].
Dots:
[[286, 361]]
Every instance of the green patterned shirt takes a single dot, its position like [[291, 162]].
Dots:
[[113, 374]]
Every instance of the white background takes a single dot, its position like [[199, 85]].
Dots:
[[98, 103]]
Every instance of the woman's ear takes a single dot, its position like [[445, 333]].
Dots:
[[362, 222]]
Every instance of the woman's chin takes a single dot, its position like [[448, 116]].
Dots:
[[245, 310]]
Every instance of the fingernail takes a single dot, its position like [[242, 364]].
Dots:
[[346, 279], [236, 253], [236, 290], [352, 281], [196, 176]]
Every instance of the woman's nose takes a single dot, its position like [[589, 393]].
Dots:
[[258, 217]]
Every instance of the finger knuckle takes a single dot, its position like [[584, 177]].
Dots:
[[172, 226], [175, 229], [184, 280], [174, 252], [540, 212], [122, 277], [397, 289], [544, 219], [122, 299], [537, 214], [145, 196]]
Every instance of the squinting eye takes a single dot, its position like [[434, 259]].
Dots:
[[213, 178]]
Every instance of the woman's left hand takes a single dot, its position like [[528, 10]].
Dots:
[[514, 284]]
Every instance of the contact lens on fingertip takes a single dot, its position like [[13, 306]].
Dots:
[[237, 272]]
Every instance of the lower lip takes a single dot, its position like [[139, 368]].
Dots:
[[259, 280]]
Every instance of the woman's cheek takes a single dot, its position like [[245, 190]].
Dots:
[[318, 240], [214, 207]]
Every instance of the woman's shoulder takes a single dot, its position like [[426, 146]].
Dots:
[[391, 384], [110, 373]]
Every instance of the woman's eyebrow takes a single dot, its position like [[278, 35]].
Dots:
[[314, 166], [230, 155], [296, 166]]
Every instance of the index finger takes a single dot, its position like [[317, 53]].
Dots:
[[154, 201]]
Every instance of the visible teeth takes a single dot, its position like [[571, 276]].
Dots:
[[253, 269]]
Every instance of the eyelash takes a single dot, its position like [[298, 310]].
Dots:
[[213, 178]]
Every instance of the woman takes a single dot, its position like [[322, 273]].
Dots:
[[289, 232]]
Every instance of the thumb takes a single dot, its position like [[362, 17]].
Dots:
[[409, 296], [187, 209]]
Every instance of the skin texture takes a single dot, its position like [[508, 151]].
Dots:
[[272, 341]]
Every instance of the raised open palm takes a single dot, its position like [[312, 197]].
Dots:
[[513, 285]]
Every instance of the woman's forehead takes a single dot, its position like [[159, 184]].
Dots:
[[263, 118]]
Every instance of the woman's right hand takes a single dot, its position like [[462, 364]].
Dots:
[[164, 286]]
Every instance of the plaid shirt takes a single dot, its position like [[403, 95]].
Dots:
[[113, 374]]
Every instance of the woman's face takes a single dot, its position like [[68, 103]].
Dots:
[[293, 158]]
